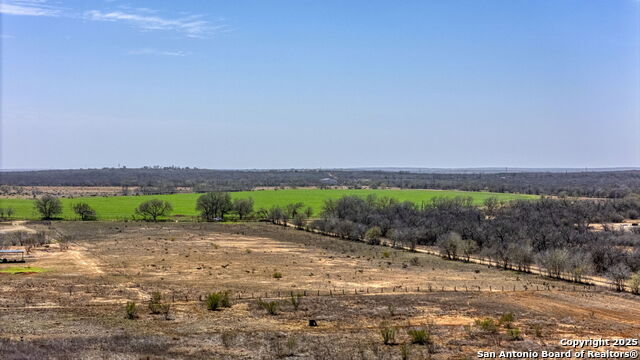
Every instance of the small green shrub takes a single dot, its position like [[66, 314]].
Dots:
[[386, 254], [271, 307], [225, 301], [295, 301], [487, 325], [514, 334], [388, 334], [537, 330], [155, 303], [507, 319], [420, 336], [131, 310], [405, 352], [218, 300], [277, 275]]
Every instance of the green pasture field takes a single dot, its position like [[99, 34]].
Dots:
[[122, 207], [21, 269]]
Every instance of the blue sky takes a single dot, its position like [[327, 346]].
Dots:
[[306, 84]]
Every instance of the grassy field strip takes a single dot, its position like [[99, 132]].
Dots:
[[21, 270], [122, 207]]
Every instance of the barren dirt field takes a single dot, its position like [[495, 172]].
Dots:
[[75, 308]]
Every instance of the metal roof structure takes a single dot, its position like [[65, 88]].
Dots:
[[12, 251]]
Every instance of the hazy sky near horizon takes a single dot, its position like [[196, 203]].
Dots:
[[307, 84]]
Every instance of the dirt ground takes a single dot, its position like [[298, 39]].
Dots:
[[76, 308], [30, 192]]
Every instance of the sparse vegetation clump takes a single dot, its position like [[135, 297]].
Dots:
[[217, 300], [420, 336], [271, 307], [372, 236], [507, 320], [157, 306], [514, 334], [277, 275], [131, 310], [388, 333], [295, 301], [487, 325], [634, 283]]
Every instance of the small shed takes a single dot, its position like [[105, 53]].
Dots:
[[11, 256]]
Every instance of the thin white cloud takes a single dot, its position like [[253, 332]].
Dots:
[[28, 8], [191, 26], [194, 26], [150, 51]]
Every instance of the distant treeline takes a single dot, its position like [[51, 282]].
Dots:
[[605, 184]]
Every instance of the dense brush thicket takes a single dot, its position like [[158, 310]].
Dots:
[[606, 184], [555, 234]]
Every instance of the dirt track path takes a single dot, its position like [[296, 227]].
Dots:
[[17, 226], [78, 254]]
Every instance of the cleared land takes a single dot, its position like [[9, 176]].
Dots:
[[122, 207], [76, 307]]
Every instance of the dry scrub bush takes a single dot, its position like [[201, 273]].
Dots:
[[420, 336], [487, 325], [405, 352], [218, 300], [634, 283], [131, 310], [271, 307], [514, 334], [507, 320], [155, 302], [295, 301], [388, 333]]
